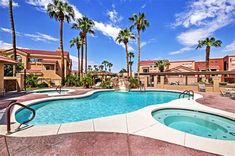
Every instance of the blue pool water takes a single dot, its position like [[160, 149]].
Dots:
[[197, 123], [100, 104]]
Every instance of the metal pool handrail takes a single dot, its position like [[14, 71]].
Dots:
[[190, 93], [59, 91], [8, 111]]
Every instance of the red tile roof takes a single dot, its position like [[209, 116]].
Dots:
[[43, 52], [7, 60], [49, 61], [147, 62], [180, 67]]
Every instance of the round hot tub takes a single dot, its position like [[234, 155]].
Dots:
[[197, 123]]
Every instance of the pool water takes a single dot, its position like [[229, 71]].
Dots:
[[197, 123], [99, 104]]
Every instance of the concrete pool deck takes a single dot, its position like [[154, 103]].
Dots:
[[139, 123]]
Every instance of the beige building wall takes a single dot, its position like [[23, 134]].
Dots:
[[1, 77], [189, 64], [231, 63], [53, 60]]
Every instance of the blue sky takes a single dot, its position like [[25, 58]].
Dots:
[[175, 28]]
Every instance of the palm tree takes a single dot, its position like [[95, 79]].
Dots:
[[208, 43], [105, 63], [78, 42], [61, 11], [123, 37], [13, 34], [86, 26], [101, 67], [162, 64], [141, 24], [109, 66], [89, 68], [131, 55], [95, 67]]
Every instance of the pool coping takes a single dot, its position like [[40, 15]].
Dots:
[[49, 89], [139, 122]]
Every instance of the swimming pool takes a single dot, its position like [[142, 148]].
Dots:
[[99, 104], [197, 123]]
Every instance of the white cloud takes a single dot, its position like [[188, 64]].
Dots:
[[7, 30], [5, 3], [36, 37], [206, 17], [41, 37], [230, 47], [113, 15], [143, 6], [5, 45], [182, 50], [107, 29], [39, 4], [203, 12]]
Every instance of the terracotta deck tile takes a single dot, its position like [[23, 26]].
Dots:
[[3, 147], [215, 100], [95, 144]]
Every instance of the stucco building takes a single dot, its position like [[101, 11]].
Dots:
[[45, 64], [226, 63]]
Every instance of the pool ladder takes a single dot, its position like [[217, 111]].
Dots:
[[8, 111], [58, 89], [189, 93]]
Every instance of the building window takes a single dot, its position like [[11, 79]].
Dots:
[[49, 67], [34, 60], [145, 70]]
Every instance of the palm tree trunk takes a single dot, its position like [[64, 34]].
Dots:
[[78, 48], [82, 52], [207, 58], [13, 34], [62, 53], [138, 54], [127, 62], [130, 66], [86, 54]]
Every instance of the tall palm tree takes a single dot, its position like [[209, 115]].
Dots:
[[141, 23], [131, 55], [123, 37], [101, 67], [95, 67], [109, 66], [162, 64], [208, 43], [85, 25], [61, 11], [76, 41], [105, 63], [13, 34], [89, 68]]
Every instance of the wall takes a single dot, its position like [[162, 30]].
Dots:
[[1, 77], [217, 62]]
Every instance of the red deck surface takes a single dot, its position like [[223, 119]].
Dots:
[[93, 144]]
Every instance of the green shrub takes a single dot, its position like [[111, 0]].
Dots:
[[73, 80], [134, 83], [87, 81], [106, 84], [42, 85], [32, 80]]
